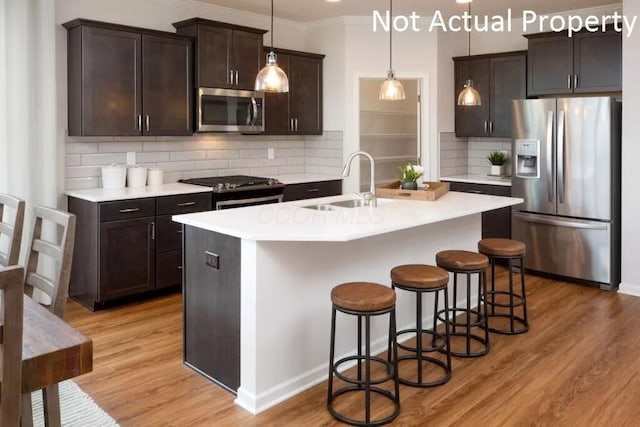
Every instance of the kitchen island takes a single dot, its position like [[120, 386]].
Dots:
[[257, 282]]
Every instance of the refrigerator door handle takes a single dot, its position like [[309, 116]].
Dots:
[[537, 219], [560, 156], [550, 194]]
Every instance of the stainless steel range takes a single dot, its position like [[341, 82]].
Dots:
[[239, 190]]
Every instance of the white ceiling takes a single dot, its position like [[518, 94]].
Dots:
[[314, 10]]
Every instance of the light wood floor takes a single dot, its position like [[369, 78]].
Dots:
[[578, 366]]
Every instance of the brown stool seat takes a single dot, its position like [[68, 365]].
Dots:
[[501, 247], [419, 276], [461, 260], [363, 296]]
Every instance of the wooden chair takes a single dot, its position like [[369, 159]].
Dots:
[[11, 228], [11, 307], [55, 287]]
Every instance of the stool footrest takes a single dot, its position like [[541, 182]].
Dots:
[[430, 349], [471, 354], [388, 365], [514, 331], [477, 323], [518, 303], [432, 360], [361, 389]]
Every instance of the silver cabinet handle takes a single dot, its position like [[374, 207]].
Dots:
[[182, 205], [230, 76], [153, 231], [568, 81], [313, 190], [296, 125], [179, 231], [130, 210], [179, 267], [486, 126], [291, 125], [237, 76], [140, 122], [575, 81], [475, 191], [147, 122], [491, 127]]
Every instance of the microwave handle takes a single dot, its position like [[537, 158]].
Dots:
[[254, 104]]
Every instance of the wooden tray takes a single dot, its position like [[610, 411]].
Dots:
[[393, 191]]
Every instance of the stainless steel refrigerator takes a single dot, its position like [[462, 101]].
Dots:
[[566, 167]]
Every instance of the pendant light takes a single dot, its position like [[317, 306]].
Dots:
[[391, 89], [272, 78], [469, 96]]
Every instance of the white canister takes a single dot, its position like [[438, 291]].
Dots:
[[155, 176], [113, 176], [136, 176], [419, 169]]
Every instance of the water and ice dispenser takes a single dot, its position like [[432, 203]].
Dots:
[[527, 158]]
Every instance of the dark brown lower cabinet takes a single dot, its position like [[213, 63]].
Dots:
[[312, 190], [212, 306], [128, 248], [495, 223]]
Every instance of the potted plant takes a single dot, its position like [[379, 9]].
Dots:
[[498, 161], [409, 177]]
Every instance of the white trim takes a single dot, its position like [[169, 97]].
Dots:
[[629, 289]]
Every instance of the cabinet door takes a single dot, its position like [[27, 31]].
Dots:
[[508, 82], [473, 120], [597, 61], [276, 105], [247, 54], [214, 56], [127, 258], [550, 66], [111, 89], [311, 190], [167, 86], [306, 95], [169, 269]]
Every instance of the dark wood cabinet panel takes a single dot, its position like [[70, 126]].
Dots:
[[126, 209], [597, 61], [499, 79], [168, 269], [127, 258], [312, 190], [168, 234], [212, 307], [184, 203], [127, 81], [166, 83], [226, 55], [111, 96], [300, 110], [495, 223], [550, 66], [585, 63]]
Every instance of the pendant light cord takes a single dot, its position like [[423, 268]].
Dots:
[[272, 25], [469, 28], [390, 35]]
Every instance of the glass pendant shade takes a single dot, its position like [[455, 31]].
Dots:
[[272, 78], [391, 89], [469, 96]]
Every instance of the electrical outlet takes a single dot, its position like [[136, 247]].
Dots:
[[212, 260], [271, 153], [131, 157]]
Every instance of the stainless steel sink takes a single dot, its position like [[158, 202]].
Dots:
[[321, 207], [355, 203]]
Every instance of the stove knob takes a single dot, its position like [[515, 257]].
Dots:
[[270, 182], [220, 186]]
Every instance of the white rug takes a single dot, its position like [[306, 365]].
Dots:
[[77, 408]]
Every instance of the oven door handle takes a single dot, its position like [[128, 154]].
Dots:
[[254, 200]]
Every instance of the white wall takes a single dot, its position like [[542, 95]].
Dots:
[[630, 156]]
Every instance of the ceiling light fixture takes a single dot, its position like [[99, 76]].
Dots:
[[272, 78], [469, 96], [391, 89]]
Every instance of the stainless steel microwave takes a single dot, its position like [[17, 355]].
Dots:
[[229, 110]]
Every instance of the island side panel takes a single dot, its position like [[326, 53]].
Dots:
[[212, 305], [289, 291]]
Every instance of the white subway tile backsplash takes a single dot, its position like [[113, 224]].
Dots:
[[204, 155]]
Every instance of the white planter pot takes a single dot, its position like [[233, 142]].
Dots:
[[498, 170]]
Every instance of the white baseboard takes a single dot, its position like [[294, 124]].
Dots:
[[629, 289]]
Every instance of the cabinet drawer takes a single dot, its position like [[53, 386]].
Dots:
[[184, 203], [168, 234], [492, 190], [127, 209], [311, 190], [168, 269]]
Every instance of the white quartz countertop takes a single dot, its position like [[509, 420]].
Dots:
[[292, 222], [105, 195], [479, 179], [300, 178]]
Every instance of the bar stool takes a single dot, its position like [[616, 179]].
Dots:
[[364, 300], [468, 264], [422, 279], [510, 250]]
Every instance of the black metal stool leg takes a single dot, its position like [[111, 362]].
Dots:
[[493, 285], [483, 277], [419, 333], [396, 375], [455, 299], [446, 329], [435, 319], [359, 348], [511, 307], [367, 375], [524, 293], [332, 346], [468, 313]]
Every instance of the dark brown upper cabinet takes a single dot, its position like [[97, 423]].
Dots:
[[584, 63], [300, 110], [227, 56], [126, 81], [499, 79]]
